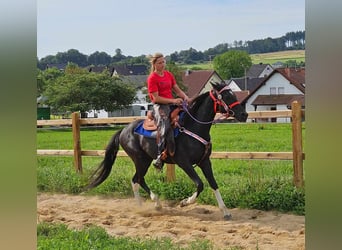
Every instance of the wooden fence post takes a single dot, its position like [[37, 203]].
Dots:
[[170, 172], [77, 141], [297, 145]]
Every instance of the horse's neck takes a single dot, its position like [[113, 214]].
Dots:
[[204, 115]]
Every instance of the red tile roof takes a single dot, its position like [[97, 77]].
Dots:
[[196, 80], [296, 76]]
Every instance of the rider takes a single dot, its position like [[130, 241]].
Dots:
[[160, 84]]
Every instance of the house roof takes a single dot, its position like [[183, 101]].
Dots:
[[278, 99], [126, 70], [97, 69], [296, 76], [252, 83], [241, 95], [138, 69], [196, 80], [138, 81], [256, 69], [60, 66]]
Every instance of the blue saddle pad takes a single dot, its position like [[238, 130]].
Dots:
[[141, 131], [153, 133]]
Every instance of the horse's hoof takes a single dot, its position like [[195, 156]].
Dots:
[[227, 217], [183, 203], [158, 206]]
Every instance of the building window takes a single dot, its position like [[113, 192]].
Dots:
[[281, 90], [273, 91]]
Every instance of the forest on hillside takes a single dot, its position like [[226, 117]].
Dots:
[[290, 41]]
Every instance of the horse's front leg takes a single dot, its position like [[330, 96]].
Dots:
[[208, 173], [222, 206]]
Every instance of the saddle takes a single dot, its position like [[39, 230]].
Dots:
[[149, 123]]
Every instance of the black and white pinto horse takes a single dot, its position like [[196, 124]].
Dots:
[[193, 146]]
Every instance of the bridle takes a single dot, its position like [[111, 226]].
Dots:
[[219, 102]]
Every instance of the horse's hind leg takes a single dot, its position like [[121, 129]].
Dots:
[[189, 170], [138, 181]]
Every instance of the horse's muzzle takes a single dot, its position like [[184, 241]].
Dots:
[[242, 117]]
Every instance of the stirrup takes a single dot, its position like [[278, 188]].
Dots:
[[158, 163]]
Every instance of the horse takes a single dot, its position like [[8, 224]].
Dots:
[[193, 145]]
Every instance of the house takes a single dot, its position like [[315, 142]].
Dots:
[[245, 83], [277, 91], [127, 70], [198, 81], [259, 70], [120, 70], [98, 69], [60, 66], [140, 84]]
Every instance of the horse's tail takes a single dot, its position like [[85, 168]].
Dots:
[[103, 170]]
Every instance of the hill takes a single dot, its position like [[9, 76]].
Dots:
[[281, 56], [266, 58]]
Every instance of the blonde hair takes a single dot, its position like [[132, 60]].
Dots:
[[153, 59]]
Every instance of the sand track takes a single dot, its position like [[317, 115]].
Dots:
[[249, 229]]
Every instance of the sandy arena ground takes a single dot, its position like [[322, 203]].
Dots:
[[249, 229]]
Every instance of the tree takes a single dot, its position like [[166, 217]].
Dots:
[[73, 56], [44, 78], [79, 90], [232, 63], [99, 58]]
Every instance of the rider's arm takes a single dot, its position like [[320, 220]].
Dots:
[[180, 93], [163, 100]]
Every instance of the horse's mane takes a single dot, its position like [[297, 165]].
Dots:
[[198, 101]]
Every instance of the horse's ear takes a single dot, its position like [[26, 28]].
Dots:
[[214, 84]]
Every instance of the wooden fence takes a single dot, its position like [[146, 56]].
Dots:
[[297, 155]]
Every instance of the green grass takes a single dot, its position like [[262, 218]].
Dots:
[[260, 184], [265, 58], [58, 236]]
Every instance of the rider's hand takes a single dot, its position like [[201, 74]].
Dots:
[[178, 101]]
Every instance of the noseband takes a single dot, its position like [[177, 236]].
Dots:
[[219, 102]]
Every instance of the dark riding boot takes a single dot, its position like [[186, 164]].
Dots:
[[170, 142], [158, 163]]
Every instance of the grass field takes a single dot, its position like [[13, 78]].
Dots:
[[260, 184], [282, 56], [58, 236], [265, 58]]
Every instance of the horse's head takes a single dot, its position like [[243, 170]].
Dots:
[[225, 98]]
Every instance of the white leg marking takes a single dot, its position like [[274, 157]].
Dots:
[[221, 205], [135, 187], [155, 198], [189, 200]]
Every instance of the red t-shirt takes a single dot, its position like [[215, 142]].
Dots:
[[161, 84]]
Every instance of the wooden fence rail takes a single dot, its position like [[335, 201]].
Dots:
[[297, 155]]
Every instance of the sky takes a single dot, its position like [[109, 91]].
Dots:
[[143, 27]]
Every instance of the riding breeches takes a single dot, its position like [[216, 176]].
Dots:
[[164, 131]]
